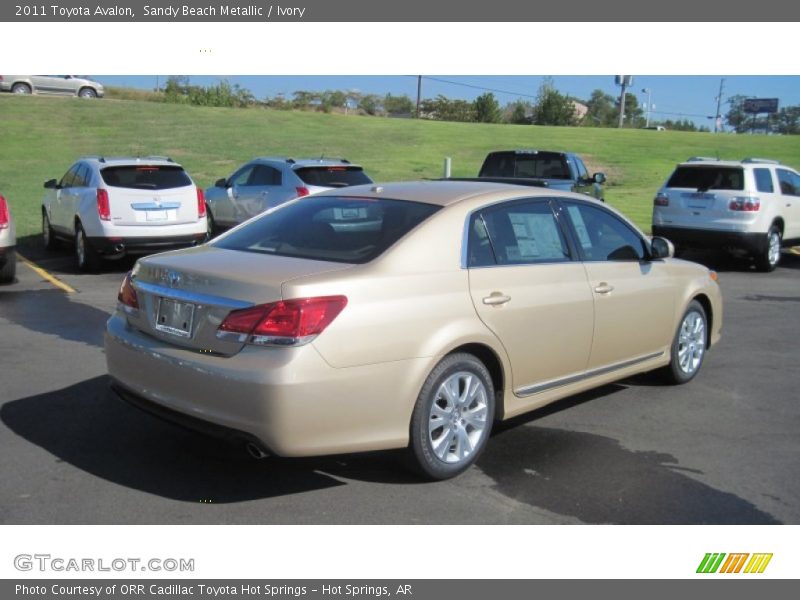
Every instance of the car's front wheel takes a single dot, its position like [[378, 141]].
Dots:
[[87, 93], [689, 345], [771, 255], [453, 417], [87, 259], [21, 88], [48, 238]]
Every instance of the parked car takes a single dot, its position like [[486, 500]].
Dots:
[[375, 317], [110, 207], [563, 171], [8, 242], [750, 206], [54, 85], [267, 182]]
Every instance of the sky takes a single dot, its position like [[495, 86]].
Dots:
[[672, 96]]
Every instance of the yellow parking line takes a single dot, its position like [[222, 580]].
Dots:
[[45, 275], [795, 250]]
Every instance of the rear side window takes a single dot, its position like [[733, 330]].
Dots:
[[335, 229], [763, 180], [543, 165], [146, 177], [707, 178], [333, 177], [516, 234]]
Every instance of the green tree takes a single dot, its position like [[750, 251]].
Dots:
[[787, 121], [736, 117], [370, 104], [634, 116], [487, 109], [601, 111], [553, 107], [518, 113], [398, 105]]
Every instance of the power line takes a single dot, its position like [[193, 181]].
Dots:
[[478, 87]]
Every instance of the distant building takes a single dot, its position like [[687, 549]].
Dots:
[[580, 110]]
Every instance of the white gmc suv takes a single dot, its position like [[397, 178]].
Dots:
[[750, 206], [109, 207]]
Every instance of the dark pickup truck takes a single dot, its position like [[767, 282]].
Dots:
[[556, 170]]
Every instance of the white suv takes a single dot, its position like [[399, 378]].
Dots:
[[750, 206], [109, 207]]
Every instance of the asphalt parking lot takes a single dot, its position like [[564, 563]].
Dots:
[[722, 449]]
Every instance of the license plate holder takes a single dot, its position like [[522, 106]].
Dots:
[[175, 317]]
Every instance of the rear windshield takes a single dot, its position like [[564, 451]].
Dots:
[[146, 177], [332, 176], [544, 165], [707, 178], [347, 230]]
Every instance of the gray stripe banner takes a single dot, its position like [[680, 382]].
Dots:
[[418, 589], [403, 11]]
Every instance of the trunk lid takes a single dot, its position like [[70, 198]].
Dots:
[[185, 295]]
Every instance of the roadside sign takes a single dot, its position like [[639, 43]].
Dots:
[[761, 105]]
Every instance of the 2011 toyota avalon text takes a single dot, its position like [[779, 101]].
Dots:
[[406, 315]]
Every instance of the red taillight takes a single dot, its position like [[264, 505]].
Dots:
[[201, 204], [288, 322], [302, 191], [103, 207], [745, 204], [5, 218], [661, 199], [127, 295]]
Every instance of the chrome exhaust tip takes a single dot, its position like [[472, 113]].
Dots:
[[255, 451]]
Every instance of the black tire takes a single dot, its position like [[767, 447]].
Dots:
[[768, 259], [86, 258], [48, 238], [87, 92], [675, 372], [211, 226], [21, 88], [458, 433], [9, 270]]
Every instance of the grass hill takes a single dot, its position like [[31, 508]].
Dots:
[[41, 136]]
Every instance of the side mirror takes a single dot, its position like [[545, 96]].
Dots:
[[221, 183], [51, 184], [599, 177], [661, 248]]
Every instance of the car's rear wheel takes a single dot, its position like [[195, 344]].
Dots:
[[87, 93], [771, 255], [453, 417], [21, 88], [689, 345], [87, 259], [9, 270], [48, 238]]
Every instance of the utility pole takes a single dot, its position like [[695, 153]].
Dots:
[[623, 81], [419, 93], [647, 91], [719, 102]]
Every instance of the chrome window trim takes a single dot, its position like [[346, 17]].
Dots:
[[193, 297], [529, 390]]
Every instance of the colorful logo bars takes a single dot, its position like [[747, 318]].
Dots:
[[734, 563]]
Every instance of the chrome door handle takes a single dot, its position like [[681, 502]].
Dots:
[[496, 299], [604, 288]]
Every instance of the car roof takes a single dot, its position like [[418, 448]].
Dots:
[[122, 161], [444, 192], [706, 160], [529, 151], [296, 163]]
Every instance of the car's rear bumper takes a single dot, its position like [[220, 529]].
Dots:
[[143, 245], [754, 243], [290, 401]]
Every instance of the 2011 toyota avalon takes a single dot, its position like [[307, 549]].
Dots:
[[405, 315]]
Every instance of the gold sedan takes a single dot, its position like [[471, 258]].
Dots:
[[405, 315]]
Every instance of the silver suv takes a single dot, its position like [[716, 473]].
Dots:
[[266, 182], [54, 85], [109, 207], [750, 206]]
